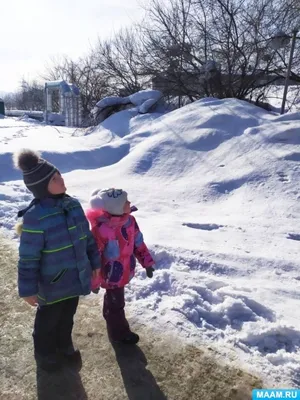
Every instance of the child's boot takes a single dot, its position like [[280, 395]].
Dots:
[[131, 338], [71, 355]]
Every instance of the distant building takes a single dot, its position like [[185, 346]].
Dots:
[[180, 84]]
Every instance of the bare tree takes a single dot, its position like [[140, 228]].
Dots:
[[10, 101], [189, 49], [30, 96], [119, 59], [215, 47], [167, 47]]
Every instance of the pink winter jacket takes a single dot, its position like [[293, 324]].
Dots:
[[120, 242]]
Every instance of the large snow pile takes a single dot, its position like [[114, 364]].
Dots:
[[217, 188]]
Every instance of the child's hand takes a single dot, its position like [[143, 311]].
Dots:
[[96, 273], [31, 300], [149, 272], [96, 281]]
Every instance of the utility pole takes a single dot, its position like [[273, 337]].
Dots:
[[288, 72]]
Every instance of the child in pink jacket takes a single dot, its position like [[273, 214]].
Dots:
[[120, 242]]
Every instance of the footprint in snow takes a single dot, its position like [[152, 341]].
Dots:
[[283, 177]]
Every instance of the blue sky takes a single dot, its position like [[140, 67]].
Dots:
[[34, 31]]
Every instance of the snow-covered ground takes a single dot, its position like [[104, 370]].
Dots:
[[217, 187]]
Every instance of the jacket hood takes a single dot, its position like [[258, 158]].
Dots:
[[100, 216]]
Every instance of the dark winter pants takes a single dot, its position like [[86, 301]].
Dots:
[[113, 313], [53, 327]]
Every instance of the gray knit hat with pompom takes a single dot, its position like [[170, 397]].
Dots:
[[37, 172]]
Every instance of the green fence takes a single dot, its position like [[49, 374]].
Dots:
[[2, 110]]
